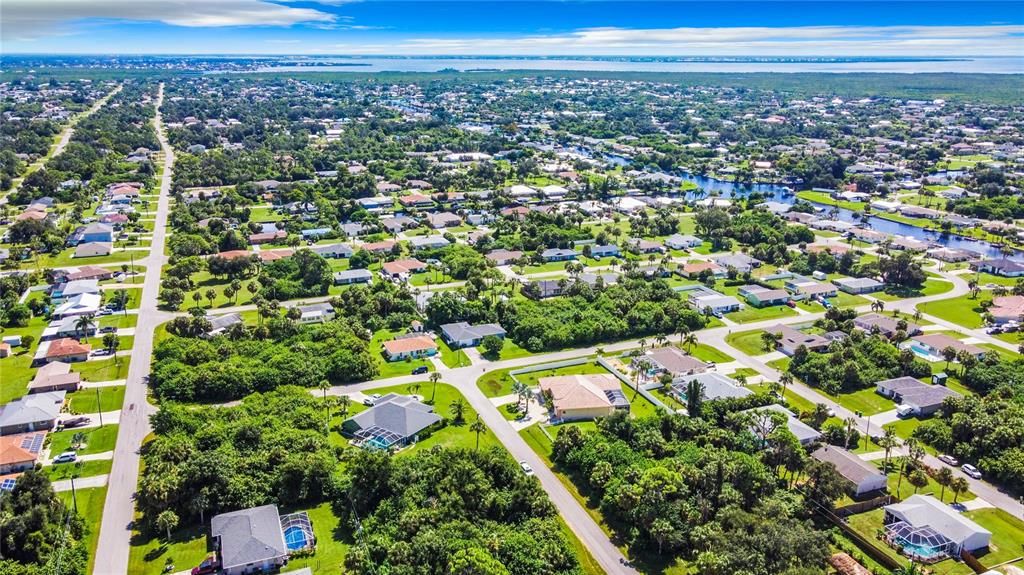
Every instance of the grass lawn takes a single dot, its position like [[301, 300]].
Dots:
[[844, 299], [90, 508], [705, 352], [962, 310], [103, 370], [396, 368], [639, 406], [868, 524], [532, 378], [496, 383], [748, 342], [751, 314], [97, 440], [906, 489], [84, 400], [781, 364], [17, 373], [452, 358], [332, 541], [77, 469], [931, 287], [865, 401], [119, 320], [149, 554], [509, 351], [1007, 535]]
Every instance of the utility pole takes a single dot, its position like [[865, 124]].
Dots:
[[99, 410], [74, 496]]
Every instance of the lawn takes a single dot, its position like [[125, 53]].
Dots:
[[496, 383], [396, 368], [97, 440], [149, 554], [1007, 535], [452, 358], [111, 398], [705, 352], [77, 469], [509, 351], [931, 287], [639, 406], [962, 310], [748, 342], [103, 370], [751, 314], [90, 508], [532, 378], [332, 541], [865, 401]]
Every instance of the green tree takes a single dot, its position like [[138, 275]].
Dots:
[[478, 428], [493, 345], [167, 521], [458, 409]]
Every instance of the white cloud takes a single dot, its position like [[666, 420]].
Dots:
[[791, 41], [28, 19]]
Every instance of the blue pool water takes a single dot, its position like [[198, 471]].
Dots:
[[295, 538], [919, 550]]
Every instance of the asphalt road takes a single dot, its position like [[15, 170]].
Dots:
[[119, 508]]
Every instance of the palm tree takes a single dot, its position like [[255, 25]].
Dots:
[[944, 477], [458, 409], [786, 379], [694, 397], [888, 442], [957, 486], [660, 339], [478, 427], [643, 344], [683, 332], [324, 386], [344, 402], [690, 340], [434, 378], [83, 325]]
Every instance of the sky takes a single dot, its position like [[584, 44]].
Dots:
[[535, 28]]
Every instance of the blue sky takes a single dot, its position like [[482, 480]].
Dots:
[[424, 27]]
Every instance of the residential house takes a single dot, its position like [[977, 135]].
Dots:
[[94, 232], [809, 288], [1007, 308], [222, 323], [642, 246], [66, 350], [267, 237], [694, 269], [69, 289], [1000, 267], [923, 399], [93, 249], [718, 304], [804, 433], [858, 285], [333, 251], [788, 339], [740, 262], [410, 346], [81, 304], [316, 313], [760, 296], [68, 327], [462, 334], [354, 276], [504, 257], [393, 421], [558, 255], [20, 452], [715, 385], [862, 477], [601, 251], [33, 412], [249, 540], [584, 396], [950, 532], [398, 224], [683, 242], [55, 376], [89, 272], [315, 233], [401, 269], [672, 361], [930, 346], [381, 247], [354, 229], [416, 201], [443, 220], [428, 242], [886, 325], [952, 255]]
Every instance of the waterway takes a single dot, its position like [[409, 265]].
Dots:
[[779, 193]]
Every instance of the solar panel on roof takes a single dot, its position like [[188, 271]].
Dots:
[[32, 443], [7, 485]]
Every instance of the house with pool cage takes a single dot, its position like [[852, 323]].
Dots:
[[259, 539], [929, 531], [393, 421]]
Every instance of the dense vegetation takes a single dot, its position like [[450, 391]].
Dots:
[[450, 511], [633, 308], [675, 486], [38, 533]]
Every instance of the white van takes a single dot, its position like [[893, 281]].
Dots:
[[904, 410]]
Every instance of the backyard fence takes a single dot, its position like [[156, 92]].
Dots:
[[862, 506], [625, 379]]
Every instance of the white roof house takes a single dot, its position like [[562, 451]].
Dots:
[[933, 526], [81, 304]]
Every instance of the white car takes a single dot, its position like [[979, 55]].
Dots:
[[971, 471], [66, 457], [948, 460], [526, 467]]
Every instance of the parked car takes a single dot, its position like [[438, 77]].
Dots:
[[526, 467], [948, 459], [66, 457], [420, 370], [971, 471], [791, 303], [371, 400], [209, 565], [108, 329], [74, 421]]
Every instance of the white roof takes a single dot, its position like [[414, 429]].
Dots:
[[925, 510], [81, 303]]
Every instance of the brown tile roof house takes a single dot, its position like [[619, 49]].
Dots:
[[378, 247], [415, 346], [55, 376], [67, 349], [274, 255], [694, 269], [1007, 308], [31, 215], [232, 254], [406, 266], [834, 249], [415, 200], [863, 476], [504, 257], [789, 339], [19, 452], [90, 273], [263, 238], [584, 396]]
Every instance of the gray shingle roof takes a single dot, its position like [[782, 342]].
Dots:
[[399, 414], [249, 536], [462, 331], [32, 408]]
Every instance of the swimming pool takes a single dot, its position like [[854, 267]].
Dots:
[[924, 552], [295, 538]]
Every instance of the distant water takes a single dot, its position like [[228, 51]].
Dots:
[[1001, 65]]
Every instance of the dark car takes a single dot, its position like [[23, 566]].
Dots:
[[75, 421], [420, 370], [209, 565]]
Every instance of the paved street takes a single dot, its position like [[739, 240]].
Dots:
[[118, 512]]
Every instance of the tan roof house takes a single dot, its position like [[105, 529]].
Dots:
[[584, 396]]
